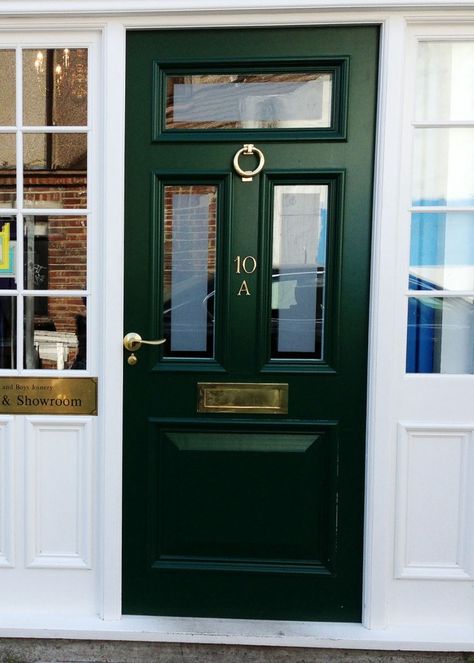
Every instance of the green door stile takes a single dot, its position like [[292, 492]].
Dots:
[[247, 501]]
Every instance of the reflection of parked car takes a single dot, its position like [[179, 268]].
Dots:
[[296, 319], [188, 318], [434, 324], [298, 313]]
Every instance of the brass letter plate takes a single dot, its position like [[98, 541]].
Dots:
[[242, 397], [20, 395]]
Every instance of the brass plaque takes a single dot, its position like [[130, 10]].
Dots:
[[20, 395], [243, 397]]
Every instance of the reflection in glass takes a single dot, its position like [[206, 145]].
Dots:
[[7, 332], [7, 170], [55, 170], [55, 252], [442, 251], [445, 81], [7, 252], [440, 335], [190, 217], [55, 332], [7, 87], [442, 167], [298, 271], [249, 101], [48, 151], [55, 87]]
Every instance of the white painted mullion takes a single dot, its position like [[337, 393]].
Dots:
[[55, 293], [93, 171], [441, 209], [43, 211], [19, 216], [439, 293], [451, 124], [55, 129]]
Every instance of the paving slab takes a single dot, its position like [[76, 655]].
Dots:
[[90, 651]]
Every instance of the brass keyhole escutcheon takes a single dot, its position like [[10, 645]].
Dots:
[[132, 360]]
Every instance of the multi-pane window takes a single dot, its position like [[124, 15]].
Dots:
[[43, 208], [441, 280]]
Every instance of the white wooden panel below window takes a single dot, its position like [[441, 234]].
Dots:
[[6, 492], [59, 471], [434, 510]]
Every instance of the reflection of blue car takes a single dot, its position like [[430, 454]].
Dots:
[[435, 323], [417, 283]]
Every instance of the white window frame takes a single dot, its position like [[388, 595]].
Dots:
[[63, 39]]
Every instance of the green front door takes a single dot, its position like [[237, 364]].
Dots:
[[244, 432]]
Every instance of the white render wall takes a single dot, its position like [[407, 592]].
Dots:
[[60, 477]]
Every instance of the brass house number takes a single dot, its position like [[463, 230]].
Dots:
[[247, 265]]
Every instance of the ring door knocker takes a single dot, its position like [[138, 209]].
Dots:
[[247, 175]]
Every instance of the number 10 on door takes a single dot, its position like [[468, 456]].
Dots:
[[247, 265]]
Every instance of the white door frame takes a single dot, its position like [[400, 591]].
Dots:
[[112, 18]]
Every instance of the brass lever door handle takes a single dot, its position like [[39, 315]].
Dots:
[[133, 342]]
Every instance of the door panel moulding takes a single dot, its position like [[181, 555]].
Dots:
[[6, 492], [59, 467], [434, 502]]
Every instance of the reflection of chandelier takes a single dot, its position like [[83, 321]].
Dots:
[[70, 71]]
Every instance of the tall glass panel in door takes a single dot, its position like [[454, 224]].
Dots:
[[189, 268], [300, 217]]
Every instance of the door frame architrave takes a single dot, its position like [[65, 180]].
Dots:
[[380, 454]]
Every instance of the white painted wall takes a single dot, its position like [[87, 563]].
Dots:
[[60, 560]]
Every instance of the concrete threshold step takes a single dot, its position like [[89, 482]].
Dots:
[[25, 650]]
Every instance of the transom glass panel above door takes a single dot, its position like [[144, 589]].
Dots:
[[299, 94]]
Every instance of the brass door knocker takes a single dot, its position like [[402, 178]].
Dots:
[[247, 175]]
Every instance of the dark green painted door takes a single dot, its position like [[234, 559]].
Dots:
[[244, 433]]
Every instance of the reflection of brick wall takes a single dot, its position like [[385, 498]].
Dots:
[[190, 231], [66, 249], [66, 191], [67, 253]]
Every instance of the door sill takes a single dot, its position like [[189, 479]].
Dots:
[[240, 632]]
